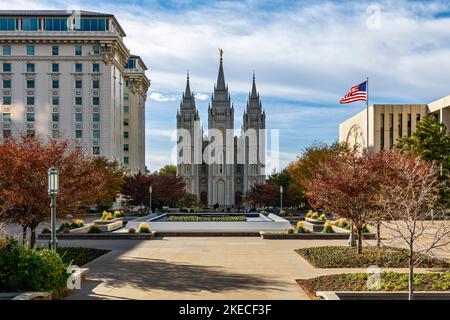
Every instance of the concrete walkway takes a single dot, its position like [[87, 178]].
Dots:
[[200, 268]]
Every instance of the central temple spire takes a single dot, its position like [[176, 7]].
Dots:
[[254, 93], [187, 92], [221, 76]]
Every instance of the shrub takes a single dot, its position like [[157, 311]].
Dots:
[[46, 230], [64, 225], [300, 228], [94, 229], [106, 216], [309, 214], [77, 223], [282, 213], [132, 230], [25, 269], [314, 215], [118, 214], [322, 217], [341, 223], [66, 230], [290, 230], [328, 227], [144, 228]]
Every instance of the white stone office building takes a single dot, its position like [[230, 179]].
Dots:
[[389, 122], [225, 180], [69, 74]]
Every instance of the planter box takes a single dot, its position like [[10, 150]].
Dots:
[[100, 222], [110, 226], [83, 229], [315, 221], [340, 230], [99, 236], [382, 295], [313, 226]]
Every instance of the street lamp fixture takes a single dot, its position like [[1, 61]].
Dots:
[[281, 199], [53, 188]]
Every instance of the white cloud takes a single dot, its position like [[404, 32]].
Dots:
[[159, 97], [201, 96]]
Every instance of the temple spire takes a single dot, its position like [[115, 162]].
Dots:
[[221, 76], [187, 92], [254, 94]]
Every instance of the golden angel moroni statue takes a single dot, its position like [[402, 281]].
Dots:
[[221, 53]]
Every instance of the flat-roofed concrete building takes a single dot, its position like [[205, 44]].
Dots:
[[389, 122], [65, 73]]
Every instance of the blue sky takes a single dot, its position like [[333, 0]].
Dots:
[[306, 55]]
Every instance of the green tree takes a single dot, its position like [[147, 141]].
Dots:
[[432, 143], [113, 177], [169, 169]]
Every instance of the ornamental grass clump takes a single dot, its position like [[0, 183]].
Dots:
[[94, 229], [118, 214], [342, 223], [144, 228], [77, 223], [328, 227], [300, 227], [315, 215], [309, 214], [290, 230], [106, 216], [322, 217], [132, 230]]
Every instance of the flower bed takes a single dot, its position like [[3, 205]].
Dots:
[[390, 281], [79, 256], [346, 257]]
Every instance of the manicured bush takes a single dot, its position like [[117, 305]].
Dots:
[[79, 256], [25, 269], [322, 217], [282, 213], [46, 230], [77, 223], [290, 230], [309, 214], [314, 215], [94, 229], [342, 223], [64, 225], [132, 230], [383, 257], [300, 227], [118, 214], [144, 228], [328, 227]]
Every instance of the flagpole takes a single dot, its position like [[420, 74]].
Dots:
[[367, 108]]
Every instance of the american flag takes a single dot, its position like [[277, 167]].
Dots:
[[356, 93]]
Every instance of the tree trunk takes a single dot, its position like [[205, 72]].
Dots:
[[24, 235], [359, 230], [411, 274], [379, 234], [33, 227]]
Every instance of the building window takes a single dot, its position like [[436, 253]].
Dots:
[[78, 101], [96, 117], [6, 134], [7, 100], [125, 109], [55, 117], [95, 84], [7, 24], [95, 134], [78, 134], [30, 84], [126, 83], [55, 134], [55, 24], [96, 151], [96, 101], [55, 84], [78, 84], [6, 84], [126, 135], [6, 49], [30, 101], [125, 96], [30, 67], [126, 122], [92, 25], [400, 125], [382, 131], [126, 160], [78, 67], [409, 124], [30, 117], [417, 118], [78, 50], [391, 131], [78, 117], [30, 24], [131, 64], [126, 147], [30, 133], [6, 117], [55, 101], [96, 49], [30, 50], [55, 51], [6, 67], [55, 67], [96, 67], [254, 169]]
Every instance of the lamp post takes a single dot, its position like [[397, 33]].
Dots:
[[53, 186], [281, 199], [150, 190]]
